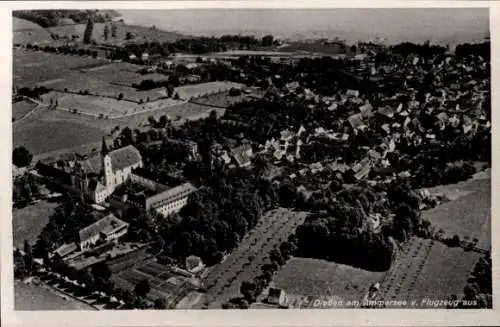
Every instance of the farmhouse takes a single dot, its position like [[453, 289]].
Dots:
[[277, 297], [108, 229]]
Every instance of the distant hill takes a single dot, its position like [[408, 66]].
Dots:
[[140, 33], [51, 18], [19, 24]]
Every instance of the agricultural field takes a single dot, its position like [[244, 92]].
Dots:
[[198, 90], [245, 262], [163, 282], [21, 108], [28, 222], [469, 215], [91, 105], [428, 269], [30, 68], [314, 278]]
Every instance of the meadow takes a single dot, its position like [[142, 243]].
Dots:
[[28, 222], [30, 68], [316, 278], [21, 108], [469, 215], [40, 135]]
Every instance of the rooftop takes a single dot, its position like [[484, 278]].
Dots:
[[106, 226]]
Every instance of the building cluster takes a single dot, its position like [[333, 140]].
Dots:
[[117, 178]]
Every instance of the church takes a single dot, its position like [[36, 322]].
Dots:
[[97, 177]]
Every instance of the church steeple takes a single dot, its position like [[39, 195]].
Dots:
[[104, 147]]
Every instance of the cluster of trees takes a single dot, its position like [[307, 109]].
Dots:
[[106, 31], [334, 238], [149, 84], [21, 157], [482, 49], [64, 224], [34, 92], [425, 50], [51, 18], [217, 216], [24, 264], [24, 190], [64, 49], [478, 291], [337, 231], [199, 45]]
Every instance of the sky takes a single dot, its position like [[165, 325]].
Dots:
[[442, 25]]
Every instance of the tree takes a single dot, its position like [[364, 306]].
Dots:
[[129, 36], [120, 96], [248, 290], [113, 30], [89, 29], [160, 303], [101, 271], [267, 40], [106, 32], [142, 288], [28, 256], [19, 264], [21, 157], [127, 297]]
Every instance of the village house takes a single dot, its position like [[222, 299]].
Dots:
[[107, 229], [277, 297]]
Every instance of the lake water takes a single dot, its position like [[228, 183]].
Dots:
[[450, 25]]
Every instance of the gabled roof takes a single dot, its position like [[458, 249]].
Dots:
[[242, 154], [356, 121], [106, 226], [386, 111], [66, 249], [120, 159]]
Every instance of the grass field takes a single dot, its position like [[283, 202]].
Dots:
[[31, 68], [319, 278], [469, 215], [245, 262], [203, 89], [28, 222], [40, 136], [37, 297], [21, 108]]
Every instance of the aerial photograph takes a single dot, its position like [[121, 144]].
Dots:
[[251, 159]]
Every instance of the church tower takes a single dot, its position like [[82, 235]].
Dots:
[[106, 165]]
